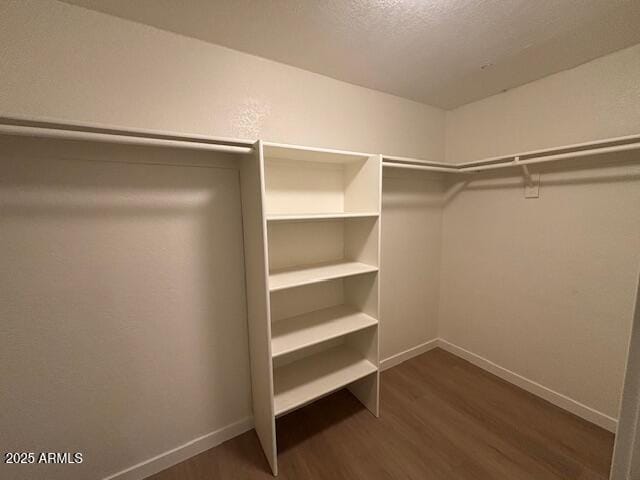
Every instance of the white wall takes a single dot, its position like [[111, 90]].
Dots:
[[66, 62], [544, 287], [411, 240], [600, 99], [122, 303]]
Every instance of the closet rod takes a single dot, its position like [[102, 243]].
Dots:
[[428, 163], [128, 137], [552, 158], [628, 139], [510, 163], [421, 167]]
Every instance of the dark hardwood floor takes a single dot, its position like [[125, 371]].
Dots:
[[441, 418]]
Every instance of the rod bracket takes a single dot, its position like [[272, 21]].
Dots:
[[531, 181]]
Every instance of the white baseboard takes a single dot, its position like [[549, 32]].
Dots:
[[558, 399], [407, 354], [183, 452]]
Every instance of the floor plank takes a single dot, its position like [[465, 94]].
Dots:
[[441, 418]]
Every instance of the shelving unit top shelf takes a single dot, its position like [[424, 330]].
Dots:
[[311, 154]]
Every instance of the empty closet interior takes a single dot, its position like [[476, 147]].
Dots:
[[163, 292]]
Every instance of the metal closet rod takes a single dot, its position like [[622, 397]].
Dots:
[[541, 156], [22, 126]]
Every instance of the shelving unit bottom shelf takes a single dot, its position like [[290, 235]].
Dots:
[[302, 381]]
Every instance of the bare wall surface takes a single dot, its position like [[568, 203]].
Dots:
[[597, 100], [411, 235], [545, 287], [63, 61], [122, 303]]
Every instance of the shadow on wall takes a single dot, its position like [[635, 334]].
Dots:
[[127, 277], [412, 189]]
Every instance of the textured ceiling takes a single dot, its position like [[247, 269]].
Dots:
[[440, 52]]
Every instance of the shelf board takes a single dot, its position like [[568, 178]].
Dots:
[[301, 217], [300, 382], [308, 274], [312, 154], [301, 331]]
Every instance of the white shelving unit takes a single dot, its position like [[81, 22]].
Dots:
[[312, 241]]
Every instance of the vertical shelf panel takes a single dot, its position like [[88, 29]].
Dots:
[[305, 243], [258, 305], [363, 192]]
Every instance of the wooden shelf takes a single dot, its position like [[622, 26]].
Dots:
[[300, 382], [302, 217], [298, 276], [295, 333]]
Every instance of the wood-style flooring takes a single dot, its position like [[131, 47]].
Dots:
[[441, 418]]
